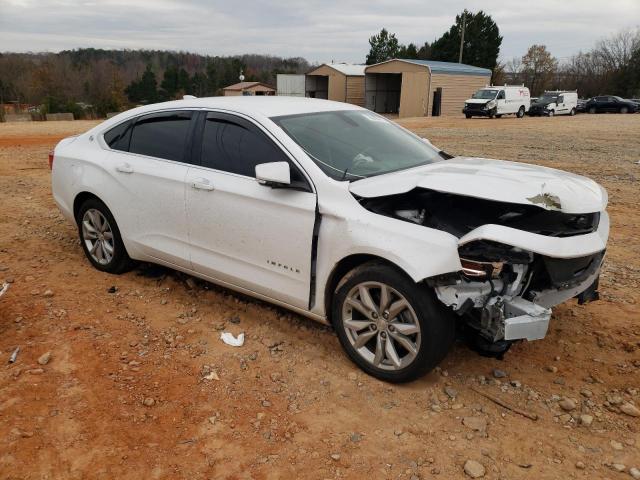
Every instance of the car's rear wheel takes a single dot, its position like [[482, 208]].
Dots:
[[467, 115], [391, 327], [624, 110], [100, 238], [572, 112], [592, 110], [520, 113]]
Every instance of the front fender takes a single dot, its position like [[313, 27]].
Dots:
[[419, 251]]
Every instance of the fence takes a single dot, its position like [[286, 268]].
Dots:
[[54, 117]]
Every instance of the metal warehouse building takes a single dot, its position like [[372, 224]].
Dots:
[[419, 88], [290, 85], [341, 82]]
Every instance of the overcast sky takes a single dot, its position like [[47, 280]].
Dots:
[[319, 30]]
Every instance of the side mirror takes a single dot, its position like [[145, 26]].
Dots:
[[273, 174]]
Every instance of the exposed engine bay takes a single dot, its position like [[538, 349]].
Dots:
[[459, 214], [503, 293]]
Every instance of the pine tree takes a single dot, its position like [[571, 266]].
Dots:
[[384, 46]]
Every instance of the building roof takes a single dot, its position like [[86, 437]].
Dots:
[[246, 85], [445, 67], [348, 69]]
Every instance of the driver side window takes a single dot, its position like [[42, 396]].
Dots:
[[234, 145], [501, 95]]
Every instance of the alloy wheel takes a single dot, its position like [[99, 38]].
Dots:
[[97, 236], [381, 325]]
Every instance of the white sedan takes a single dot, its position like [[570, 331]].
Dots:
[[336, 213]]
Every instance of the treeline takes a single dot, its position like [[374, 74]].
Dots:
[[481, 43], [94, 81], [612, 67]]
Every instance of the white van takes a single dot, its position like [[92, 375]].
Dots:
[[492, 101], [557, 102]]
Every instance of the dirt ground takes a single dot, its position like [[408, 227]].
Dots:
[[129, 392]]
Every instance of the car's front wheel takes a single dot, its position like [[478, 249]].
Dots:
[[391, 327], [100, 238], [520, 113], [624, 109]]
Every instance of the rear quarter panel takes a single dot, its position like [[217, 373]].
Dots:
[[82, 166]]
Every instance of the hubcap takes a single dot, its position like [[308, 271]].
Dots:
[[381, 325], [97, 236]]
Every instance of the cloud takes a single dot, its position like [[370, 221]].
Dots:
[[320, 30]]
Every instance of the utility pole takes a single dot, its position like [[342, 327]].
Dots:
[[464, 25]]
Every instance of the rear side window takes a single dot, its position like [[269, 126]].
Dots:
[[233, 147], [118, 137], [161, 135]]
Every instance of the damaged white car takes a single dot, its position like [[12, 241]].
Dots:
[[334, 212]]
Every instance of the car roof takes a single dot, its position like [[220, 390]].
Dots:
[[268, 106]]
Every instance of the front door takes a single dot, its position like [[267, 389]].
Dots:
[[241, 232], [502, 107], [561, 107]]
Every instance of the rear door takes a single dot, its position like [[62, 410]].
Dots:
[[603, 104], [150, 160], [243, 233]]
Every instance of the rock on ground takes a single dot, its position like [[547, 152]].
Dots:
[[474, 469]]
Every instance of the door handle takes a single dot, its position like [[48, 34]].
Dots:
[[201, 184], [124, 168]]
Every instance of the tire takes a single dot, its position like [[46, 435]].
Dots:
[[593, 110], [428, 327], [520, 113], [499, 115], [624, 109], [572, 112], [467, 115], [492, 113], [551, 113], [98, 237]]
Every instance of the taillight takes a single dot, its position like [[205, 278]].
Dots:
[[50, 159]]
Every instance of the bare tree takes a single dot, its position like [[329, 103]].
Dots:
[[538, 68], [615, 51]]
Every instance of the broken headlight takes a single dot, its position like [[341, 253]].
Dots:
[[483, 251], [481, 270]]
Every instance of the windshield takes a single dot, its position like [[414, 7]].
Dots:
[[485, 94], [354, 144], [547, 99]]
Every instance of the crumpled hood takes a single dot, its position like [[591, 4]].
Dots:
[[498, 180]]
